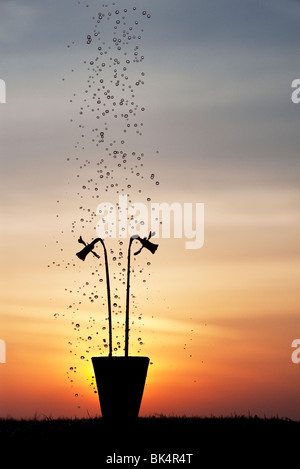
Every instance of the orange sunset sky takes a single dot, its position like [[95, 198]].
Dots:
[[219, 128]]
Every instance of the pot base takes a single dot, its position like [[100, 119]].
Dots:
[[120, 382]]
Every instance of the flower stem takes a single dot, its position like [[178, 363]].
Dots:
[[127, 301], [108, 298]]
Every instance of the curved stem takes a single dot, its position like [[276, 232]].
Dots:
[[108, 298], [127, 301]]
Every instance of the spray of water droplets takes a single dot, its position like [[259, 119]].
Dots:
[[108, 160]]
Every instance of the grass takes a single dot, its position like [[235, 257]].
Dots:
[[214, 439]]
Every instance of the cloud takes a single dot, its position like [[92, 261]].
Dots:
[[223, 22], [16, 20]]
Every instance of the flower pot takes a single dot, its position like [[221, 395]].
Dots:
[[120, 382]]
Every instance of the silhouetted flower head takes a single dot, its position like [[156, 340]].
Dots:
[[146, 244]]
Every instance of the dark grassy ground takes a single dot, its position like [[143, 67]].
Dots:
[[238, 441]]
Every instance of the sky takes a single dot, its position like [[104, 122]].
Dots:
[[219, 128]]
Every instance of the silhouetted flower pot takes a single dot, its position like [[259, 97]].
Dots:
[[120, 382]]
